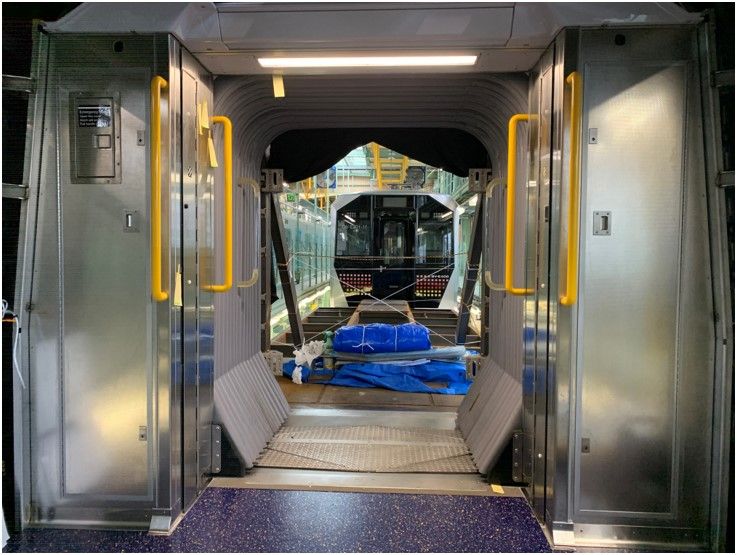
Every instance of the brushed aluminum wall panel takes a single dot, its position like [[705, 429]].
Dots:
[[630, 283], [646, 335], [106, 365], [90, 324]]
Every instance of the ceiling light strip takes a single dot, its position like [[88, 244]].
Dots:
[[368, 61]]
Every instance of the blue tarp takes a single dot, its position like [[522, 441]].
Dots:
[[407, 378], [436, 353], [381, 338]]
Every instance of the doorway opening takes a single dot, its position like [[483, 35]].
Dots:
[[377, 237]]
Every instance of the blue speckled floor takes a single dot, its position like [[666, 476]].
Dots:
[[248, 520]]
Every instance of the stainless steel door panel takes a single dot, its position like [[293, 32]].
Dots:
[[168, 462], [190, 286], [561, 390], [207, 195], [540, 298], [536, 311], [198, 235], [529, 335], [630, 287]]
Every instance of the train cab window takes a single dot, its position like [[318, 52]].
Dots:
[[434, 234], [353, 237], [393, 243]]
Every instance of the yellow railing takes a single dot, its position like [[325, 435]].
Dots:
[[157, 292], [568, 297], [227, 206], [511, 193]]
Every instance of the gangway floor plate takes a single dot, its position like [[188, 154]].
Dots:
[[368, 448]]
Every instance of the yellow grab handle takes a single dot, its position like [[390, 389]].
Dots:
[[158, 294], [227, 206], [490, 187], [511, 192], [574, 170]]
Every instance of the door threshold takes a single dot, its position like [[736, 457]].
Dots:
[[365, 482]]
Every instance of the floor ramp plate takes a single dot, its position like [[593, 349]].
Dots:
[[368, 448]]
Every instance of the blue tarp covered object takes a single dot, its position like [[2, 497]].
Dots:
[[407, 378], [381, 338]]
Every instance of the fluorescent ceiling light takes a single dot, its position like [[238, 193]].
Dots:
[[368, 61]]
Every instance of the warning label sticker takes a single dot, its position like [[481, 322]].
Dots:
[[95, 116]]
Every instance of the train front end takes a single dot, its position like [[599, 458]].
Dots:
[[395, 246]]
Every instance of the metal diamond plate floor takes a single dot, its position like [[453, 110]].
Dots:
[[368, 448]]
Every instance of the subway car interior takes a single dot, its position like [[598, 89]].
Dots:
[[368, 277]]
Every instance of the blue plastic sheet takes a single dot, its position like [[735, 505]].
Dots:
[[409, 378], [381, 338]]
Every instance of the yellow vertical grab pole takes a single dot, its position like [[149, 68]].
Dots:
[[511, 194], [568, 298], [227, 206], [157, 293]]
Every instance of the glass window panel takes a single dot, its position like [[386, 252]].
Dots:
[[393, 242]]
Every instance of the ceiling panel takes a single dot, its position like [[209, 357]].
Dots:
[[367, 29]]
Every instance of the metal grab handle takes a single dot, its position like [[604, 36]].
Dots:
[[255, 273], [158, 294], [250, 282], [574, 170], [490, 187], [511, 191], [227, 206]]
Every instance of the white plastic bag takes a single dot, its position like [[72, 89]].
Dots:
[[309, 352]]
